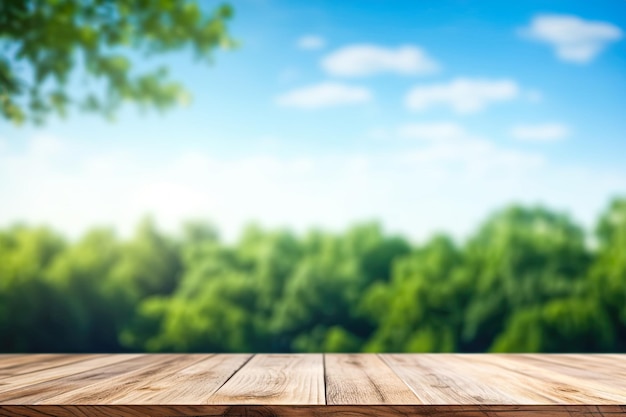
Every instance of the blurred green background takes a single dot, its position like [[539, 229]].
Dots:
[[526, 281], [486, 137]]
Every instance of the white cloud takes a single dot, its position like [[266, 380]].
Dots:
[[476, 159], [436, 131], [311, 42], [574, 39], [364, 60], [449, 145], [75, 190], [431, 185], [546, 132], [326, 94], [463, 95]]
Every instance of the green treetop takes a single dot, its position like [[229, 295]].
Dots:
[[49, 44]]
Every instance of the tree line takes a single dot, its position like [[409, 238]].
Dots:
[[528, 280]]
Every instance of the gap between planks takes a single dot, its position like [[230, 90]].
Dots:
[[323, 379]]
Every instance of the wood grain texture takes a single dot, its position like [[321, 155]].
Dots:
[[363, 379], [433, 385], [276, 379], [605, 369], [192, 385], [557, 387], [32, 363], [440, 379], [108, 366], [130, 385], [311, 411], [55, 369], [498, 379]]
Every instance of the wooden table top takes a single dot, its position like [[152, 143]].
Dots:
[[434, 385]]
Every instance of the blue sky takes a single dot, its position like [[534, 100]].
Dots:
[[424, 115]]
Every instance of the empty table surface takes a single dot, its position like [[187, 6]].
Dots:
[[434, 385]]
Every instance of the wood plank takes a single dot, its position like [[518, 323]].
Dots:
[[363, 379], [311, 411], [558, 387], [438, 379], [87, 362], [191, 385], [24, 358], [585, 367], [594, 362], [112, 365], [20, 364], [433, 385], [129, 384], [275, 379], [496, 379]]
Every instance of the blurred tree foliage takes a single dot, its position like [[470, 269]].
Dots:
[[528, 280], [49, 45]]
